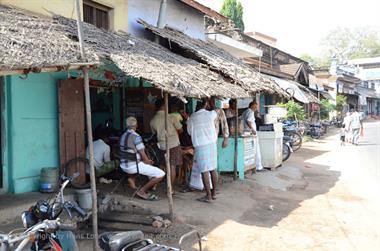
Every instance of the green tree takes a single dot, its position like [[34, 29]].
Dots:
[[351, 43], [326, 108], [295, 110], [341, 101], [316, 62], [233, 10], [346, 43]]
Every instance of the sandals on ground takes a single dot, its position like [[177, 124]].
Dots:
[[204, 199], [150, 197]]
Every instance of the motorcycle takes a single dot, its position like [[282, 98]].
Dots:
[[293, 130], [286, 147], [44, 230], [314, 130], [135, 241]]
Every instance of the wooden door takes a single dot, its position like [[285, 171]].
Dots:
[[72, 124]]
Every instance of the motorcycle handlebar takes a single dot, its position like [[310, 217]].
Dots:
[[46, 225], [67, 226], [79, 210]]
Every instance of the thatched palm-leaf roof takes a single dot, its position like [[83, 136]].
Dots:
[[31, 41], [144, 59], [217, 59]]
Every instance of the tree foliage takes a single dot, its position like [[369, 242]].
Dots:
[[233, 10], [326, 108], [295, 110], [351, 43], [346, 43], [341, 101]]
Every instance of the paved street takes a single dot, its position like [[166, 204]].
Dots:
[[338, 210]]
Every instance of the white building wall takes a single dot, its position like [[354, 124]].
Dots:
[[178, 16]]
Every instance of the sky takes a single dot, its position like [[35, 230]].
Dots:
[[300, 25]]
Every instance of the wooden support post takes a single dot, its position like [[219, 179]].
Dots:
[[167, 159], [236, 142], [89, 131], [92, 163], [319, 105], [123, 106]]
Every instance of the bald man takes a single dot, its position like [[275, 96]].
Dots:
[[131, 142]]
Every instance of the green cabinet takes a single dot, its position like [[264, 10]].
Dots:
[[245, 157]]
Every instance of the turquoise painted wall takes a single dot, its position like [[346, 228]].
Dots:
[[32, 128], [31, 125]]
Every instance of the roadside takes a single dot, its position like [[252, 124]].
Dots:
[[307, 204]]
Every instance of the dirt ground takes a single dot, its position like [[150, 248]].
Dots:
[[337, 209], [331, 204]]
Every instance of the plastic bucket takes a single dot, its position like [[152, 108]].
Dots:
[[49, 179], [84, 198]]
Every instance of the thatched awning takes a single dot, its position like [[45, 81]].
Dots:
[[29, 41], [144, 59], [217, 59], [32, 42]]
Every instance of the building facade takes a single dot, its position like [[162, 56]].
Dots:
[[368, 69], [178, 15], [29, 102], [107, 14]]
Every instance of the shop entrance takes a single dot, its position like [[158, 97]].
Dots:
[[71, 124]]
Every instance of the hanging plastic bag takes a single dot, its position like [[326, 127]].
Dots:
[[196, 178]]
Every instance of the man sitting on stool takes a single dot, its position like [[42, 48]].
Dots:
[[131, 142], [102, 155]]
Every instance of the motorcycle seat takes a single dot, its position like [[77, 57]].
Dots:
[[114, 241]]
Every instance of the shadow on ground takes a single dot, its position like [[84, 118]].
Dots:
[[245, 202]]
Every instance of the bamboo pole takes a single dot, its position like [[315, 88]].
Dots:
[[167, 159], [236, 141], [89, 131]]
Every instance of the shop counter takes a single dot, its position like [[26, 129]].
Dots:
[[245, 155]]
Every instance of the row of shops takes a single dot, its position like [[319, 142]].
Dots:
[[42, 97], [43, 115]]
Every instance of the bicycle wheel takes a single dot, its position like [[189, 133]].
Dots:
[[285, 152], [80, 165]]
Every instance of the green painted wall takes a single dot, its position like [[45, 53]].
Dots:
[[32, 128]]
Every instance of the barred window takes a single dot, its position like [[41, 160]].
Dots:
[[96, 14]]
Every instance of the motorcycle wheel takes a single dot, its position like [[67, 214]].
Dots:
[[285, 152], [296, 140], [315, 135]]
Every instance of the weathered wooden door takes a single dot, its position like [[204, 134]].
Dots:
[[72, 124]]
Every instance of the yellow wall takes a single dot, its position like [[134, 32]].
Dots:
[[118, 14]]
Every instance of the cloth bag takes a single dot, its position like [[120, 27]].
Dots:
[[196, 178]]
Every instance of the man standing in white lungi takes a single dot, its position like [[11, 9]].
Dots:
[[201, 127], [250, 125]]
